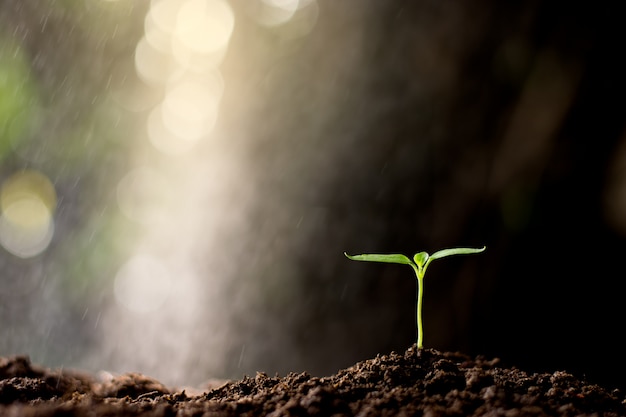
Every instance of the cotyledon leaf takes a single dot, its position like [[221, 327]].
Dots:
[[372, 257], [455, 251]]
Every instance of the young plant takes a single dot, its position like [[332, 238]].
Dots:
[[420, 262]]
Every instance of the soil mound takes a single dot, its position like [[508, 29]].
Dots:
[[423, 383]]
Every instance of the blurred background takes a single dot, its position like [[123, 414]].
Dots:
[[179, 180]]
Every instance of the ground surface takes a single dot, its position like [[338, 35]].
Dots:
[[432, 383]]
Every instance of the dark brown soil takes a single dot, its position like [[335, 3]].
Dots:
[[427, 383]]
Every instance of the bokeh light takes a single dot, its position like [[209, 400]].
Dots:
[[296, 18], [183, 45], [190, 107], [203, 28], [276, 12], [160, 23], [27, 203], [153, 65]]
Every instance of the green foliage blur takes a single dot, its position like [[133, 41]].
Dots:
[[18, 95], [58, 124]]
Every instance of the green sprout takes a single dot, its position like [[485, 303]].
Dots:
[[420, 262]]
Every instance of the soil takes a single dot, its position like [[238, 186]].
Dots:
[[417, 383]]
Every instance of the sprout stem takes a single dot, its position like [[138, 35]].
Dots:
[[420, 271], [420, 332]]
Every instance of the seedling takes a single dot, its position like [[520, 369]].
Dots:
[[420, 262]]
